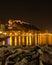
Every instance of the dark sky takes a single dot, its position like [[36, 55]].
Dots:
[[36, 12]]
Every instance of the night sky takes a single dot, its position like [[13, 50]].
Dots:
[[35, 12]]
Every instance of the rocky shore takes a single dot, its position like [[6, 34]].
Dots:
[[31, 55]]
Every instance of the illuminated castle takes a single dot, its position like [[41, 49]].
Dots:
[[20, 25], [22, 33]]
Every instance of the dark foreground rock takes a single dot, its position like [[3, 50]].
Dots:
[[11, 55]]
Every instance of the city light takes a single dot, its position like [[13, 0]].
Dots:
[[24, 37], [1, 32]]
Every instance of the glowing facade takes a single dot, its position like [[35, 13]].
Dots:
[[27, 38], [21, 33]]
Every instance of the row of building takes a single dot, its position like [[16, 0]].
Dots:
[[21, 33]]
